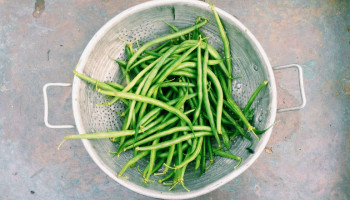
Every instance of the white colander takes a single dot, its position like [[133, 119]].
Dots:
[[143, 23]]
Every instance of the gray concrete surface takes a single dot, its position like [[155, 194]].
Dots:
[[41, 41]]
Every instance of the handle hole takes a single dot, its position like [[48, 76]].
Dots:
[[287, 88], [60, 105]]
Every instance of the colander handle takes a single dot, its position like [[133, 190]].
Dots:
[[301, 87], [46, 105]]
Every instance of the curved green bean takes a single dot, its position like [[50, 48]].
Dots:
[[162, 39], [176, 141], [149, 100]]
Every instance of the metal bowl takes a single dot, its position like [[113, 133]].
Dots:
[[142, 23]]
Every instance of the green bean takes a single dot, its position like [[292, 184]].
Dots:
[[220, 100], [100, 135], [175, 29], [193, 155], [144, 173], [199, 85], [162, 39], [167, 177], [175, 64], [132, 161], [180, 153], [206, 98], [234, 107], [162, 46], [182, 174], [135, 80], [198, 161], [153, 130], [170, 155], [97, 83], [212, 51], [210, 62], [186, 65], [125, 73], [142, 60], [133, 103], [122, 139], [115, 85], [163, 97], [225, 139], [152, 53], [184, 74], [227, 155], [195, 33], [151, 76], [121, 62], [254, 95], [152, 161], [168, 132], [226, 44], [210, 151], [164, 49], [231, 120], [188, 70], [176, 141], [204, 157], [145, 99], [158, 165], [165, 154], [176, 84]]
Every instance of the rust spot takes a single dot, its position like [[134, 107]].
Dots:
[[38, 8], [347, 89], [268, 150]]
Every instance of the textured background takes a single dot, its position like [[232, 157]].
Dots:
[[309, 150]]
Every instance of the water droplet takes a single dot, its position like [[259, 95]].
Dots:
[[238, 85], [255, 67]]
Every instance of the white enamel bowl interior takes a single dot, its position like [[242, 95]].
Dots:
[[143, 23]]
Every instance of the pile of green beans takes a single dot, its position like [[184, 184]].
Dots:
[[179, 107]]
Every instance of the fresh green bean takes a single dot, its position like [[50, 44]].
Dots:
[[97, 83], [176, 84], [145, 99], [135, 80], [186, 65], [175, 29], [158, 165], [210, 151], [168, 132], [162, 46], [162, 39], [152, 161], [193, 155], [220, 100], [204, 157], [199, 84], [132, 161], [227, 155], [226, 44], [176, 141], [115, 85], [206, 98], [254, 95]]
